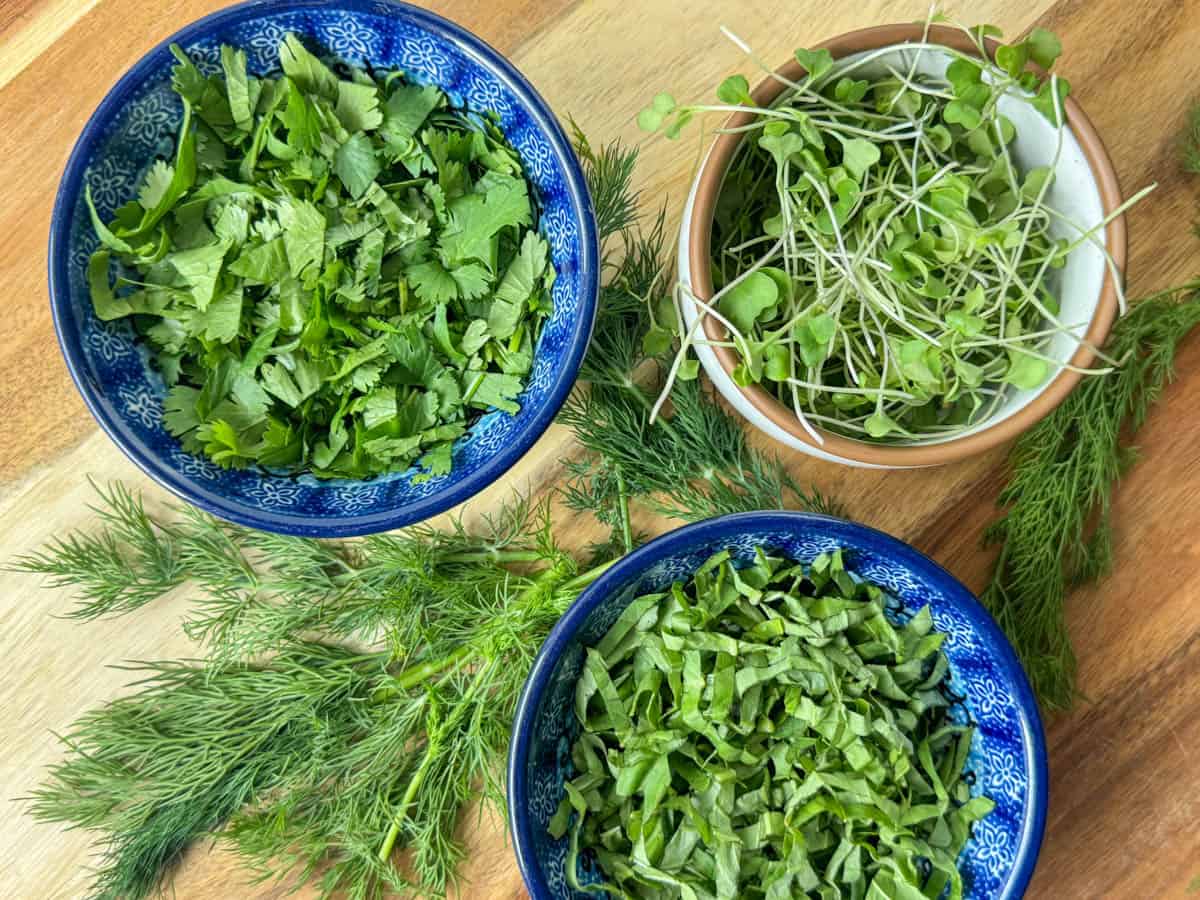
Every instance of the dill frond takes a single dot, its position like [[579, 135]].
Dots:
[[692, 466], [609, 174], [1055, 531], [326, 757], [695, 465], [1190, 142], [130, 561]]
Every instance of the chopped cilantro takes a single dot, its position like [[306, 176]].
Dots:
[[337, 274]]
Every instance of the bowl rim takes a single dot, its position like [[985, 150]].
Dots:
[[236, 509], [633, 564], [1050, 395]]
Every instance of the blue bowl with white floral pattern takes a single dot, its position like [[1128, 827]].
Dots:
[[137, 122], [1008, 754]]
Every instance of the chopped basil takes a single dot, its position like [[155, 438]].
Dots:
[[768, 732]]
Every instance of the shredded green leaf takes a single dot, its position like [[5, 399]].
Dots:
[[768, 731]]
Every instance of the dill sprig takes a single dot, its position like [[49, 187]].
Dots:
[[124, 566], [692, 465], [331, 754], [1055, 532], [153, 771], [1190, 142]]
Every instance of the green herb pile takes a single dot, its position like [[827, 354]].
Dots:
[[767, 731], [356, 698], [881, 262], [338, 273]]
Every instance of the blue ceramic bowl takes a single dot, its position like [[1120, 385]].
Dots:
[[137, 122], [1008, 756]]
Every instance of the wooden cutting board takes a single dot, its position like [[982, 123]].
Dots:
[[1125, 777]]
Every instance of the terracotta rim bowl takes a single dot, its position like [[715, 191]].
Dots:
[[698, 237]]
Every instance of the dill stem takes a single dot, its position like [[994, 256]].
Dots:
[[410, 794], [665, 424], [497, 556], [623, 512], [579, 582], [414, 675], [417, 674]]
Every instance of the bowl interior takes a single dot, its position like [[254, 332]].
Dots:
[[137, 123], [1008, 753]]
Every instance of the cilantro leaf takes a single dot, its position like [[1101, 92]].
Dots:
[[406, 110], [198, 269], [261, 264], [237, 87], [358, 106], [309, 73], [303, 235], [432, 282], [356, 164], [220, 320], [471, 280], [497, 390], [293, 388], [156, 185], [107, 305], [475, 219], [517, 286], [301, 120]]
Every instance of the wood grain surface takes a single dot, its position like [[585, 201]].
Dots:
[[1125, 777]]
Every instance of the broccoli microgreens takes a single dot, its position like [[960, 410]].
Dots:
[[882, 263]]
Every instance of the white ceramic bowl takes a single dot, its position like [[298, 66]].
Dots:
[[1084, 189]]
